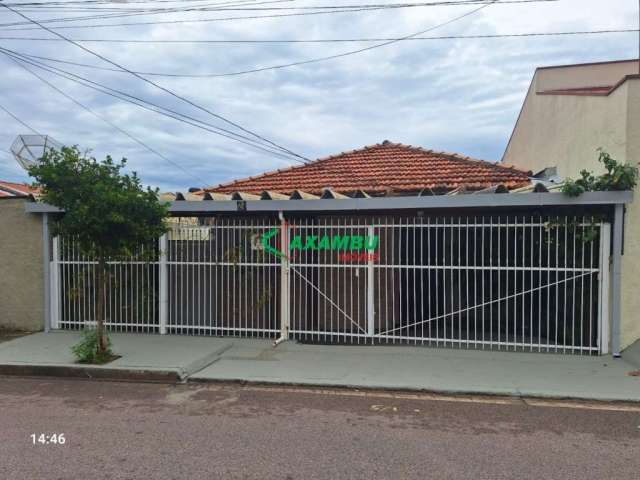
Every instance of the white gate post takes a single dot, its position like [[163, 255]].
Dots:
[[54, 272], [163, 284], [616, 279], [285, 285], [603, 288], [371, 314]]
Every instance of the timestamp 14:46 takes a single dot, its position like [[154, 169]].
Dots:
[[48, 439]]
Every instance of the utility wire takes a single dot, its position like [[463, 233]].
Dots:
[[105, 120], [209, 75], [320, 40], [111, 2], [147, 105], [20, 121], [279, 66], [253, 17], [160, 87], [211, 8]]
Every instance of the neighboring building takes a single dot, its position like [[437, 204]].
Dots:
[[571, 111], [10, 189], [385, 169]]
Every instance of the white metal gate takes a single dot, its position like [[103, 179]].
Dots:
[[508, 282], [526, 283]]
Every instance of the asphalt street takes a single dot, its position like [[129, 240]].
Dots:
[[148, 431]]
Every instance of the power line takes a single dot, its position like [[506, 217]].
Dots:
[[147, 105], [254, 17], [105, 120], [280, 66], [19, 120], [213, 7], [209, 75], [321, 40], [166, 90]]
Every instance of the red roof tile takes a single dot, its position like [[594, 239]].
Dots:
[[11, 189], [381, 168]]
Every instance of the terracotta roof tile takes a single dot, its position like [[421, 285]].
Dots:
[[11, 189], [380, 168]]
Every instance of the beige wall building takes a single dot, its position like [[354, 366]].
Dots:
[[571, 111], [21, 267]]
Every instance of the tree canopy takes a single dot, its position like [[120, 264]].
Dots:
[[107, 211]]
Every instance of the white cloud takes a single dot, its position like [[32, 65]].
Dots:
[[459, 95]]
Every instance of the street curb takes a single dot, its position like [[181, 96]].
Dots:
[[90, 373], [519, 394], [203, 362]]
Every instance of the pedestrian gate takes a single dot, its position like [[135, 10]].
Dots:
[[526, 283]]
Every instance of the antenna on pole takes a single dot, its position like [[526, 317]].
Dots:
[[29, 149]]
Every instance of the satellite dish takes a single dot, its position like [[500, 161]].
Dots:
[[29, 149]]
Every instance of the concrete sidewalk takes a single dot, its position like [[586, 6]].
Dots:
[[205, 359], [159, 357]]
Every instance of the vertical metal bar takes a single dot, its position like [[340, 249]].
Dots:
[[548, 287], [573, 285], [616, 278], [591, 342], [565, 285], [387, 272], [483, 278], [531, 295], [539, 282], [581, 329], [284, 278], [557, 278], [428, 272], [437, 281], [163, 284], [55, 284], [603, 287], [451, 289], [499, 275], [370, 287], [406, 268], [491, 283], [458, 270], [515, 283], [422, 272], [473, 303]]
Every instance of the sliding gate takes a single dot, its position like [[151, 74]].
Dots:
[[511, 282], [526, 283]]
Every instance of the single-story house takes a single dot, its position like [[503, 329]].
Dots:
[[388, 244], [384, 169]]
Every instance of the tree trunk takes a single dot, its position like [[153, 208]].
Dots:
[[102, 294]]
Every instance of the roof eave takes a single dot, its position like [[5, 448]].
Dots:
[[438, 202]]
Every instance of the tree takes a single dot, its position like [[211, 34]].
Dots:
[[108, 212]]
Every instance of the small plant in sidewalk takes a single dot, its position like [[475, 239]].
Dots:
[[107, 212], [86, 351], [617, 177]]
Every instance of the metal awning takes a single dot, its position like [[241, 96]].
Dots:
[[439, 202]]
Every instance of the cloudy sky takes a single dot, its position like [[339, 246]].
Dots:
[[458, 95]]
